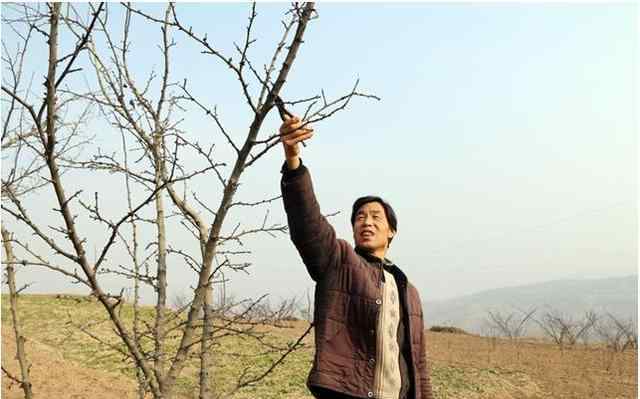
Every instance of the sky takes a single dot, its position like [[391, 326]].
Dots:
[[505, 139]]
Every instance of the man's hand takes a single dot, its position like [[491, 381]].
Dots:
[[291, 135]]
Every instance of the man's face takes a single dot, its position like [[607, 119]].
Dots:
[[371, 229]]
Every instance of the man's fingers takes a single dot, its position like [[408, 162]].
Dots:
[[289, 120], [290, 124], [306, 136], [297, 132], [297, 137], [294, 131], [286, 130], [292, 139]]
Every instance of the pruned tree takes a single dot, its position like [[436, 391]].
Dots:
[[587, 327], [306, 307], [147, 114], [563, 329], [616, 333], [512, 325], [24, 380], [15, 136], [23, 163]]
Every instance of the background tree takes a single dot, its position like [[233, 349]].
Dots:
[[616, 333], [511, 326], [563, 329]]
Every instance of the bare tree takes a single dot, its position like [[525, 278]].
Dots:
[[24, 381], [616, 333], [23, 163], [146, 114], [563, 329], [15, 136], [511, 326], [150, 124], [587, 327], [306, 309]]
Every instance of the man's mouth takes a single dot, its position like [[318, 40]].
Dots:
[[367, 234]]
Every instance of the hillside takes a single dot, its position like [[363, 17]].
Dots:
[[54, 376], [572, 297], [69, 364]]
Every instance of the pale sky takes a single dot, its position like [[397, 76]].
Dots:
[[505, 139]]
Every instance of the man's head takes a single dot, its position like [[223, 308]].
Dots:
[[374, 224]]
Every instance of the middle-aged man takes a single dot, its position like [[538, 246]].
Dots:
[[368, 318]]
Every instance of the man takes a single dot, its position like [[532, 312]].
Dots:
[[368, 318]]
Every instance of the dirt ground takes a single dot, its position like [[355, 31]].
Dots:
[[463, 367], [54, 377], [543, 369]]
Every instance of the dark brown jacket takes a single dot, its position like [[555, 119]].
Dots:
[[347, 301]]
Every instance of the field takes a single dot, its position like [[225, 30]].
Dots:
[[67, 363]]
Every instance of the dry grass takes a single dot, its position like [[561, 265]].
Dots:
[[463, 366], [53, 322], [537, 369]]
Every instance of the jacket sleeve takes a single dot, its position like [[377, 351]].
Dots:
[[425, 369], [313, 236]]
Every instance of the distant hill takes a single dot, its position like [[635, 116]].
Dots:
[[617, 295]]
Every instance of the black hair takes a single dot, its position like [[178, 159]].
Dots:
[[388, 211]]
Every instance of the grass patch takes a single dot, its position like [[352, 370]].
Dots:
[[53, 320]]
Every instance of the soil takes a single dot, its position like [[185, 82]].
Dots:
[[54, 377], [464, 366]]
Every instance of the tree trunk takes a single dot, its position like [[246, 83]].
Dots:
[[142, 382], [63, 201], [206, 352], [159, 330], [13, 299]]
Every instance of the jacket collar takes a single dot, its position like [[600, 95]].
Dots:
[[386, 264], [372, 258]]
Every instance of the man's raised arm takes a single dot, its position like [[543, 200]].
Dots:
[[310, 232]]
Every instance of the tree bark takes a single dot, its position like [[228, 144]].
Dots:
[[25, 383], [206, 355], [159, 331]]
